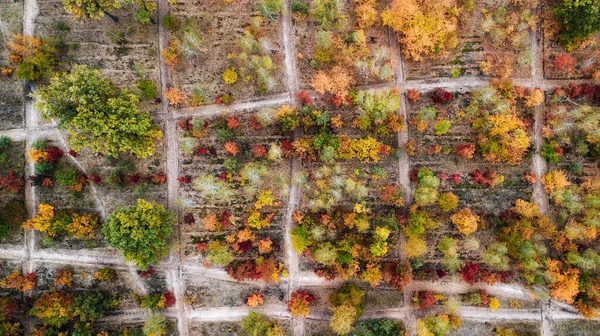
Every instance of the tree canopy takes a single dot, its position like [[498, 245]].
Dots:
[[89, 106], [141, 232]]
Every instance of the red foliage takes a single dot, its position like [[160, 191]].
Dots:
[[254, 124], [565, 63], [397, 274], [259, 150], [189, 219], [425, 299], [73, 153], [159, 178], [488, 178], [147, 273], [465, 150], [441, 273], [326, 273], [233, 122], [54, 154], [223, 176], [94, 178], [225, 219], [185, 179], [441, 96], [12, 182], [455, 178], [469, 273], [286, 147], [9, 308], [134, 178], [169, 299], [413, 95], [185, 124], [202, 246], [304, 97], [202, 151]]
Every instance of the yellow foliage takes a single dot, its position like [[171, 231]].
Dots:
[[465, 221], [82, 226], [424, 27], [266, 198], [526, 209], [42, 221], [566, 282], [555, 180], [494, 304], [36, 155], [171, 55], [230, 76], [503, 123], [415, 247], [366, 13], [373, 274], [336, 81], [367, 149], [210, 222], [535, 98]]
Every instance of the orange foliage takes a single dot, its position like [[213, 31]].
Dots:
[[566, 282], [255, 299], [231, 148], [336, 81], [19, 282], [175, 96]]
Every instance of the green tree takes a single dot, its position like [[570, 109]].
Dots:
[[157, 325], [94, 305], [141, 232], [580, 19], [91, 9], [88, 106]]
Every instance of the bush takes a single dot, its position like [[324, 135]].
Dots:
[[447, 202], [270, 8], [383, 327], [230, 76], [442, 127], [148, 88], [300, 7], [141, 232]]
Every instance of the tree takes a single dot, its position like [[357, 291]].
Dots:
[[299, 302], [91, 9], [580, 19], [157, 325], [36, 58], [54, 308], [465, 221], [337, 82], [347, 307], [88, 106], [425, 28], [256, 324], [141, 232], [565, 63]]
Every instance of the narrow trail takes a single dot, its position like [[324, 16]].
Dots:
[[99, 204]]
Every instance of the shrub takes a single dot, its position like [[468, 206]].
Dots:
[[299, 6], [141, 232], [565, 63], [148, 88], [442, 127], [270, 8], [441, 96], [230, 76], [438, 325], [23, 283], [447, 202], [496, 256], [170, 22], [465, 221], [255, 299], [218, 254], [382, 327], [86, 104]]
